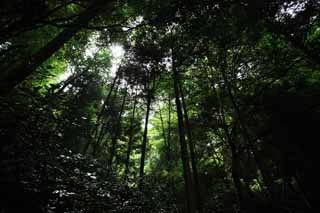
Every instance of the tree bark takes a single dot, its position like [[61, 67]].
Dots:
[[130, 142], [266, 179], [144, 142], [104, 105], [169, 133], [117, 131], [100, 130], [235, 159], [163, 133], [162, 127], [235, 167], [183, 144], [191, 148]]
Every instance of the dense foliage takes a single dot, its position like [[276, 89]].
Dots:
[[213, 106]]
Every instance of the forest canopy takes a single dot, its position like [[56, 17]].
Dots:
[[159, 105]]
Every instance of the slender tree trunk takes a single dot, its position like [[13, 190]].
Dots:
[[117, 131], [191, 148], [183, 144], [96, 141], [163, 132], [20, 72], [162, 127], [235, 159], [130, 142], [266, 179], [235, 167], [106, 101], [104, 106], [144, 142], [169, 133], [259, 162], [101, 129]]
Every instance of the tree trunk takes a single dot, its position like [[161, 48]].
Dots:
[[126, 171], [106, 101], [163, 134], [117, 131], [266, 179], [103, 108], [183, 144], [100, 130], [191, 148], [20, 72], [235, 159], [235, 166], [169, 134], [144, 142]]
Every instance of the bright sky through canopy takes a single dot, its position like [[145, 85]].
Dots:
[[117, 53]]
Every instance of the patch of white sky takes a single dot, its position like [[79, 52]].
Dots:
[[291, 9], [117, 53], [138, 20], [67, 73]]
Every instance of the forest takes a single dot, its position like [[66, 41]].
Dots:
[[191, 106]]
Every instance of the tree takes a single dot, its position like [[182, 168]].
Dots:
[[16, 74], [213, 107]]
